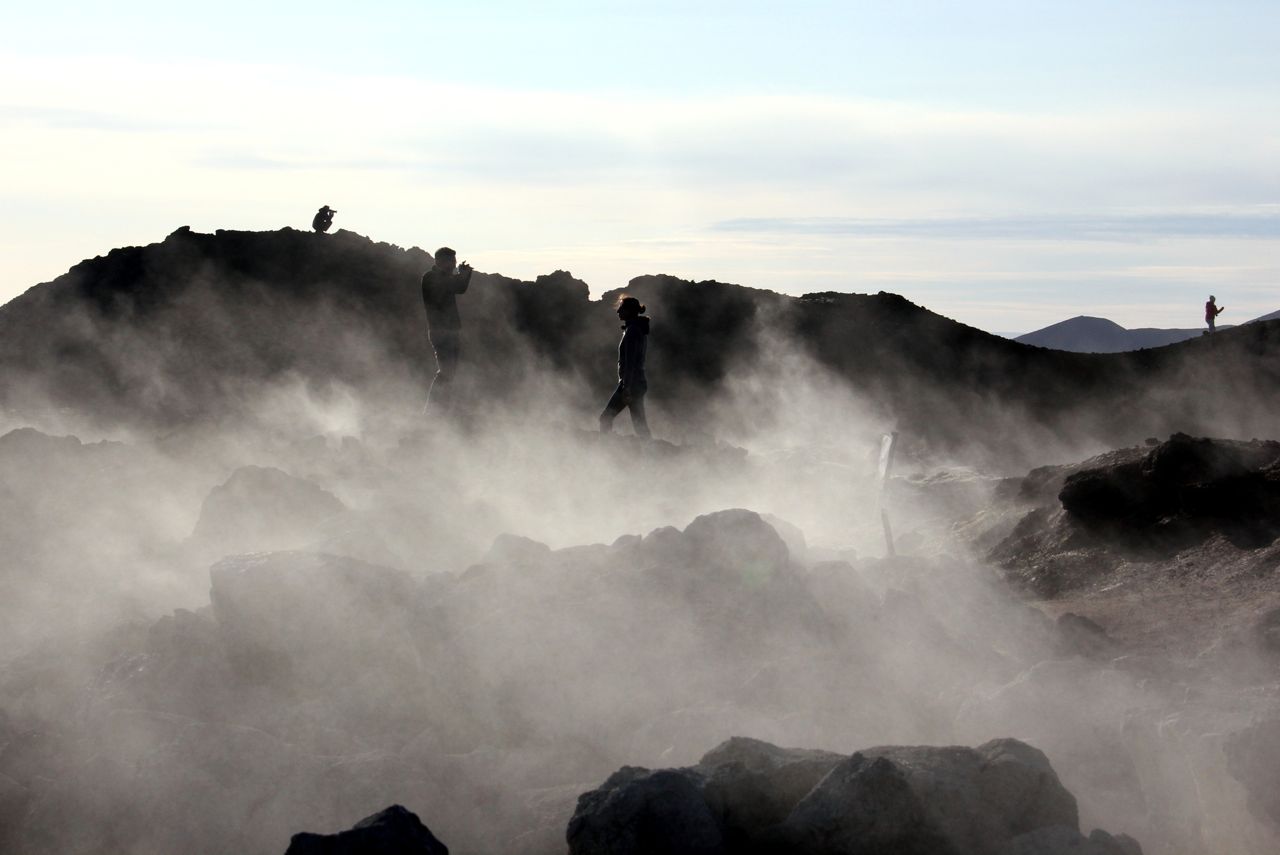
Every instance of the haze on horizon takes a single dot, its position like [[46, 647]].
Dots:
[[1006, 164]]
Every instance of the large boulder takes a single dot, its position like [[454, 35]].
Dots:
[[1253, 758], [863, 805], [392, 831], [1140, 506], [748, 796], [739, 546], [261, 508], [753, 785], [1061, 840], [641, 811], [301, 611], [1186, 479], [951, 799]]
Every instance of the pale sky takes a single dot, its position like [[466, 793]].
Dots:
[[1007, 164]]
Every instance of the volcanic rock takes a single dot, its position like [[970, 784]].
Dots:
[[392, 831], [260, 509], [1140, 504], [1253, 758], [748, 796], [295, 611], [641, 811], [1184, 480], [739, 544], [190, 328]]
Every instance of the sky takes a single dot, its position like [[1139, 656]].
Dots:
[[1006, 164]]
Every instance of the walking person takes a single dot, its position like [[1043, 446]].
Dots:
[[1211, 312], [632, 384], [441, 286]]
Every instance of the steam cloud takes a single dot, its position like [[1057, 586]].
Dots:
[[260, 594]]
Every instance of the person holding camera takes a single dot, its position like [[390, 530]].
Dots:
[[1211, 312], [441, 286], [323, 219]]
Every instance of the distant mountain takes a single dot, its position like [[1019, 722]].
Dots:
[[202, 328], [1084, 334]]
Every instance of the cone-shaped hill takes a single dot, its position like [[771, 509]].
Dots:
[[189, 328]]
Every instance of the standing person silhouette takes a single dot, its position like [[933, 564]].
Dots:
[[632, 384], [441, 286], [1211, 312]]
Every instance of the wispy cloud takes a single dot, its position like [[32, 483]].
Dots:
[[802, 192], [65, 118], [1073, 227]]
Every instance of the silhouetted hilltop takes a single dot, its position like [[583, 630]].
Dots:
[[193, 327], [1083, 334]]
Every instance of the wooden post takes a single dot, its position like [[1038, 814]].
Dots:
[[888, 447]]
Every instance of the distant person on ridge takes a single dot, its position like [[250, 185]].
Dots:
[[323, 219], [631, 380], [441, 286], [1211, 312]]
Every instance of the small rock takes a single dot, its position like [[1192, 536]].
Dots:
[[392, 831]]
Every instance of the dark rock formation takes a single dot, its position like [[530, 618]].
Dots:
[[636, 810], [261, 509], [1181, 483], [392, 831], [290, 613], [1141, 503], [1267, 631], [748, 796], [1253, 758], [199, 327], [1081, 636]]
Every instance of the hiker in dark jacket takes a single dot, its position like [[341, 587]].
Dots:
[[631, 380], [323, 219], [1211, 312], [441, 286]]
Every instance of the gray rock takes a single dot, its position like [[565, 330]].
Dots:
[[262, 508], [865, 806], [748, 796], [752, 785], [738, 543], [1267, 631], [639, 811], [1064, 840], [514, 549], [1253, 759], [392, 831], [282, 610], [1079, 635]]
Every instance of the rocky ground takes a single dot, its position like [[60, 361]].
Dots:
[[221, 645]]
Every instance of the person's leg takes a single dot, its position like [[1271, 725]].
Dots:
[[616, 402], [440, 397], [638, 420], [1212, 322]]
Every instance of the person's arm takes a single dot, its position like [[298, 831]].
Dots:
[[629, 358], [463, 279]]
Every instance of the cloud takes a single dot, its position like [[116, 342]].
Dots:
[[801, 192], [12, 115], [1073, 227]]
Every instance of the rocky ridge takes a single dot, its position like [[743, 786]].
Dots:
[[193, 328]]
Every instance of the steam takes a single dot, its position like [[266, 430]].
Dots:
[[529, 622]]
